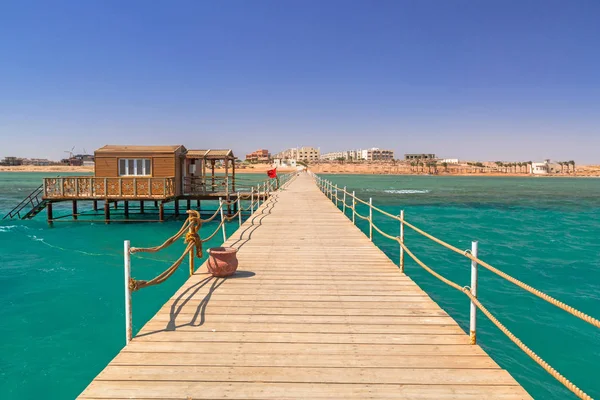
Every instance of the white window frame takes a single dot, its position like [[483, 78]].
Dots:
[[135, 171]]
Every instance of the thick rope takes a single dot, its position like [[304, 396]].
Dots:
[[383, 233], [571, 310], [192, 239], [214, 233], [166, 244], [557, 375]]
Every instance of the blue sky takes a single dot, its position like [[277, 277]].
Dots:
[[479, 80]]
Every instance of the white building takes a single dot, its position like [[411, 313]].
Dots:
[[280, 162], [540, 168], [450, 161]]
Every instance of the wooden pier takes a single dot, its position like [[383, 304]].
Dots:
[[315, 311]]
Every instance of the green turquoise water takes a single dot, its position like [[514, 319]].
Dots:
[[543, 231], [61, 288], [61, 292]]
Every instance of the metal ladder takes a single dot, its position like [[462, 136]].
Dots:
[[32, 204]]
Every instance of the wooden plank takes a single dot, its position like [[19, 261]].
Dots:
[[185, 326], [401, 376], [304, 360], [315, 311], [184, 390]]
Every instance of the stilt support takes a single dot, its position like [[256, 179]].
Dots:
[[74, 209], [126, 209], [142, 207], [177, 207], [161, 212], [50, 217], [95, 205], [107, 212]]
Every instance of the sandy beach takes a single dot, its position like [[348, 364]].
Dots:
[[336, 168]]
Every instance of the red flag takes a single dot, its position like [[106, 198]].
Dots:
[[272, 173]]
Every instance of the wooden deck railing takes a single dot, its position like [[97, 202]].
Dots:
[[86, 187]]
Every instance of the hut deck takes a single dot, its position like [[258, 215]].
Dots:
[[315, 311]]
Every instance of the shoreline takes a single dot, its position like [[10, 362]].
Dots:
[[330, 169]]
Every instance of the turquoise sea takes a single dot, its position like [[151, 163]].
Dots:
[[61, 288]]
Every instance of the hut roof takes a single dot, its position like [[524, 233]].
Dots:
[[211, 154], [139, 149]]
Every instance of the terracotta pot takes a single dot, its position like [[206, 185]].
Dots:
[[222, 261]]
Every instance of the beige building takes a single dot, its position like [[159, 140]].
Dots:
[[300, 154]]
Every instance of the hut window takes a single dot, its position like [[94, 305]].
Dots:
[[134, 166]]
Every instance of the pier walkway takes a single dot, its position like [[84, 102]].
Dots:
[[316, 311]]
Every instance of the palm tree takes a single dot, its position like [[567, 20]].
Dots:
[[573, 165], [530, 163], [412, 166], [445, 165], [561, 166], [499, 164]]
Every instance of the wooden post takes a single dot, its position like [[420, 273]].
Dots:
[[473, 319], [127, 263], [233, 175], [212, 167], [198, 204], [222, 220], [49, 210], [161, 212], [191, 261], [188, 205], [402, 241], [141, 206], [176, 207], [95, 205], [126, 209], [116, 205], [106, 211], [155, 204]]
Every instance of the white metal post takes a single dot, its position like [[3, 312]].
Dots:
[[371, 219], [252, 201], [336, 195], [239, 201], [344, 206], [402, 241], [127, 259], [473, 327], [257, 196], [222, 220], [353, 207]]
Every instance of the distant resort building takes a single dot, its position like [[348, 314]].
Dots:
[[309, 154], [540, 168], [12, 161], [450, 161], [411, 157], [281, 163], [372, 154], [259, 156]]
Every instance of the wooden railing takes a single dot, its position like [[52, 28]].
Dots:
[[84, 187]]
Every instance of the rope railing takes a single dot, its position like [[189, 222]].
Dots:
[[190, 232], [332, 192]]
